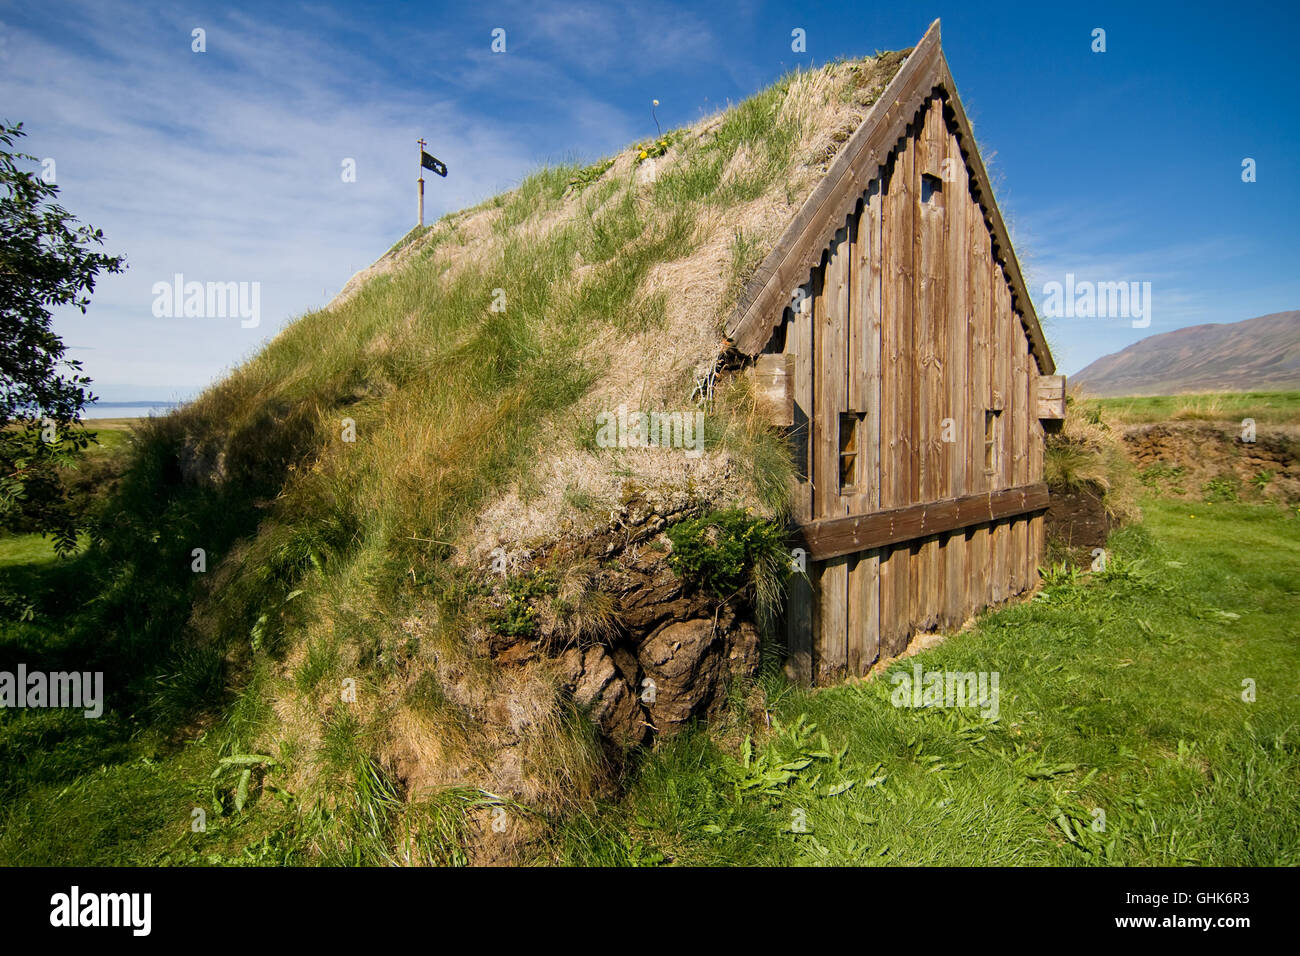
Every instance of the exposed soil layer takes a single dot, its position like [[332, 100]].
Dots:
[[1213, 460], [1078, 519], [672, 652]]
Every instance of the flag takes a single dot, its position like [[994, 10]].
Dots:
[[428, 162]]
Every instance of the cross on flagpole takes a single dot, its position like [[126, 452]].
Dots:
[[420, 214]]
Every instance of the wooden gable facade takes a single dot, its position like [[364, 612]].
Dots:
[[894, 313]]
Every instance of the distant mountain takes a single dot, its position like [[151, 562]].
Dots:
[[1253, 355]]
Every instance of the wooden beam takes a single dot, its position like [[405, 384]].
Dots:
[[838, 536], [1051, 397]]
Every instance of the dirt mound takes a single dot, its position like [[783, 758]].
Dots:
[[668, 653], [1211, 460], [1079, 519]]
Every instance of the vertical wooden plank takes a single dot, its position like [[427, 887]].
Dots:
[[799, 628], [822, 427], [832, 629], [918, 582], [858, 350], [864, 612], [815, 573], [1000, 344], [981, 389], [1022, 411], [896, 382], [865, 344], [864, 387], [1012, 336], [840, 295], [1037, 437], [870, 269], [1037, 450], [974, 574], [832, 378], [870, 595], [957, 368], [913, 428], [929, 335], [901, 242], [831, 372], [855, 400], [1003, 345], [801, 341], [1036, 548], [904, 460], [895, 603], [885, 586], [928, 319], [799, 610], [896, 398], [980, 361], [854, 620]]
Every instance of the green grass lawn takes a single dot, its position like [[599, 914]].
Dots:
[[1267, 408], [24, 550], [111, 434], [1119, 692]]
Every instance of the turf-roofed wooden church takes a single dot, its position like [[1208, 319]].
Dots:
[[891, 330]]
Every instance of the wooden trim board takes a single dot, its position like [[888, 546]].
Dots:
[[834, 537]]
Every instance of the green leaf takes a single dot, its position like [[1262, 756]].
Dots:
[[839, 788], [241, 791]]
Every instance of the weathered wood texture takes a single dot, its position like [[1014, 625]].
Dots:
[[833, 200], [832, 537], [774, 388], [918, 372], [1051, 396]]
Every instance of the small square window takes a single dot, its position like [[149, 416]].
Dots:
[[850, 446], [931, 190], [991, 417]]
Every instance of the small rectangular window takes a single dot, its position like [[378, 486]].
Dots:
[[991, 417], [931, 190], [850, 446]]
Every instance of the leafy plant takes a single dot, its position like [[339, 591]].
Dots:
[[656, 147], [519, 616], [241, 768], [1220, 489], [16, 607], [589, 174], [797, 768], [1163, 476], [723, 552], [1058, 575]]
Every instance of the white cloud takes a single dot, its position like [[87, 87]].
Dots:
[[225, 166]]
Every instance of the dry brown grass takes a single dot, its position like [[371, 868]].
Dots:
[[1088, 453]]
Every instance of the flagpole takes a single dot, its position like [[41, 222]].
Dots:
[[421, 181]]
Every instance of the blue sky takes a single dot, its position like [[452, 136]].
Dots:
[[225, 165]]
